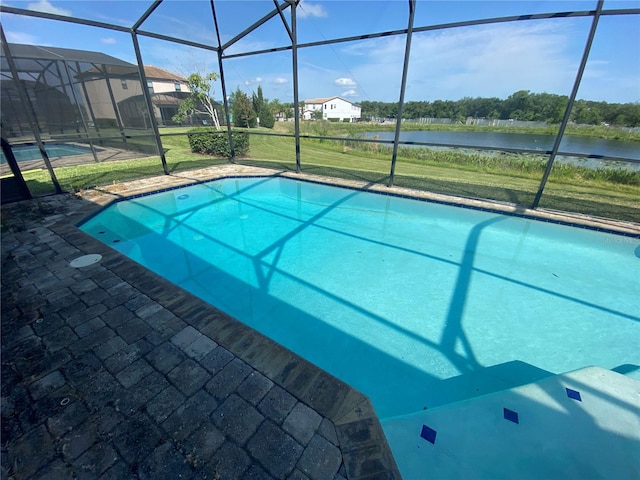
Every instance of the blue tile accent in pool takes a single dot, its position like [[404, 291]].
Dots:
[[429, 434], [511, 415], [574, 394]]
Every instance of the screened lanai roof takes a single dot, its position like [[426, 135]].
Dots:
[[54, 53], [27, 58]]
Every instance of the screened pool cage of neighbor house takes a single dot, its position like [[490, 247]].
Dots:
[[65, 109]]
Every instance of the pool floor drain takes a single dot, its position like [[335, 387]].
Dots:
[[85, 260]]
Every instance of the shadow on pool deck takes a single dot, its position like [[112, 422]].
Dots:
[[109, 371]]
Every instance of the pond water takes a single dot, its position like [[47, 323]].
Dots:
[[500, 140]]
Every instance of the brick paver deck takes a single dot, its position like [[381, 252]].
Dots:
[[111, 372]]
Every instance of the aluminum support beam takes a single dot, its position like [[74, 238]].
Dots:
[[232, 149], [85, 93], [284, 20], [92, 23], [175, 40], [24, 98], [296, 100], [567, 112], [443, 26], [147, 98], [62, 18], [114, 104], [79, 108], [145, 15], [15, 169], [251, 28], [403, 86]]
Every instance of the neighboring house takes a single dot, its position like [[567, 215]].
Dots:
[[333, 107], [167, 91], [68, 88]]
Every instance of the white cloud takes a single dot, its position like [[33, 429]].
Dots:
[[251, 81], [46, 7], [280, 80], [21, 37], [482, 61], [108, 41], [306, 9], [350, 93], [345, 82]]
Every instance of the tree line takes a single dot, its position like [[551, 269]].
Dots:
[[521, 105], [255, 110]]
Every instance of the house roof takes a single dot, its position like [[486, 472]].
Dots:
[[130, 70], [160, 74], [318, 100]]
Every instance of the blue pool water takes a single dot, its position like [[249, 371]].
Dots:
[[415, 304], [54, 150]]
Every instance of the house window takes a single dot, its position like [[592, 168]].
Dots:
[[150, 86], [123, 82], [178, 86], [325, 106]]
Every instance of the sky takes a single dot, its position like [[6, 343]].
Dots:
[[493, 60]]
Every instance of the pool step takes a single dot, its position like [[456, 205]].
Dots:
[[581, 424]]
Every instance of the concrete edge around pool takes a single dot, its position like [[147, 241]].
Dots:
[[104, 196], [362, 442]]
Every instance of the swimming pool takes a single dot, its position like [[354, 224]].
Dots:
[[416, 304], [54, 150]]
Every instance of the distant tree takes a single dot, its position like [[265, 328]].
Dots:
[[243, 114], [262, 109], [200, 99], [316, 115], [288, 110], [521, 105], [278, 108]]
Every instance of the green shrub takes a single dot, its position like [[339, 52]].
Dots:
[[203, 140], [334, 120], [346, 120]]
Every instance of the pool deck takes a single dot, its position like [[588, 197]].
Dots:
[[109, 371]]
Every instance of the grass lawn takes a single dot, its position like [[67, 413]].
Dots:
[[436, 172]]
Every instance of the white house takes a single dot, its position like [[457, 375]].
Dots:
[[333, 107]]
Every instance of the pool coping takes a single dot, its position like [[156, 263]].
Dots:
[[364, 447], [120, 191]]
